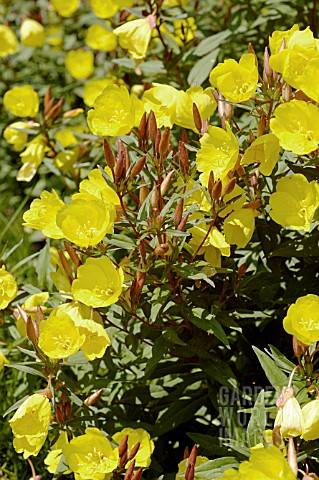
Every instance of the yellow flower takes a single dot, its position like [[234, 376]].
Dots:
[[8, 288], [15, 136], [105, 8], [3, 360], [66, 135], [91, 455], [182, 466], [66, 9], [204, 101], [94, 88], [33, 301], [97, 186], [98, 283], [59, 336], [162, 99], [22, 101], [296, 126], [310, 414], [236, 81], [86, 220], [135, 36], [295, 202], [59, 276], [8, 41], [96, 338], [30, 425], [239, 227], [32, 33], [264, 464], [32, 158], [53, 458], [100, 38], [184, 30], [54, 35], [302, 319], [42, 214], [113, 112], [66, 159], [289, 417], [79, 63], [264, 150], [139, 435], [78, 312], [275, 40], [218, 153], [214, 246]]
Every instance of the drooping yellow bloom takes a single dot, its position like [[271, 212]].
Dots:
[[8, 41], [310, 414], [91, 455], [3, 360], [214, 245], [239, 227], [22, 101], [96, 185], [53, 457], [98, 283], [218, 153], [113, 112], [30, 425], [302, 319], [42, 214], [263, 150], [296, 126], [135, 36], [295, 202], [290, 419], [100, 38], [32, 158], [264, 464], [32, 33], [162, 99], [236, 81], [59, 336], [15, 136], [66, 9], [86, 220], [79, 63], [8, 288], [139, 435], [94, 88], [204, 100]]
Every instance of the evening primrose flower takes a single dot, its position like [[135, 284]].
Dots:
[[8, 288], [295, 202], [296, 125], [65, 9], [264, 464], [204, 100], [30, 425], [239, 227], [310, 414], [184, 30], [290, 419], [3, 360], [108, 8], [277, 37], [32, 301], [94, 88], [13, 135], [96, 339], [32, 158], [214, 245], [113, 112], [8, 41], [96, 185], [98, 283], [86, 220], [55, 453], [79, 63], [100, 38], [135, 36], [90, 456], [264, 150], [22, 101], [302, 319], [141, 436], [162, 100], [59, 336], [218, 153], [236, 81], [42, 214], [32, 33]]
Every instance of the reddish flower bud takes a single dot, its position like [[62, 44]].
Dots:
[[108, 154], [178, 212], [93, 398], [182, 224], [161, 249], [138, 167], [217, 190], [163, 147], [197, 118], [152, 127], [165, 183]]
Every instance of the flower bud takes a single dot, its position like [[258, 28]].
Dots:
[[267, 73], [93, 398], [123, 446], [161, 249], [133, 451], [292, 456], [178, 212], [144, 191], [137, 475], [165, 183], [217, 190], [197, 118], [142, 130], [73, 255], [299, 348], [138, 167], [183, 158], [286, 92], [230, 186], [152, 127], [182, 224], [163, 147], [211, 182], [129, 471], [108, 154]]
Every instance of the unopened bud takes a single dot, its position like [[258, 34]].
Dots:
[[120, 169], [163, 147], [73, 113], [55, 111], [183, 157], [241, 270], [165, 183], [211, 182], [189, 474], [137, 475], [286, 92], [230, 186], [47, 97], [138, 167], [142, 132], [152, 127], [178, 212], [32, 332], [182, 224], [93, 398], [40, 314], [59, 414], [261, 126], [129, 471], [240, 170], [254, 179], [158, 139], [217, 190], [108, 154], [267, 73], [65, 265], [197, 118], [299, 348], [73, 255], [292, 456], [143, 194], [48, 106], [161, 249], [142, 249], [133, 451], [155, 196], [123, 446], [251, 50]]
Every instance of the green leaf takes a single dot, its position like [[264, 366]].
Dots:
[[274, 374], [159, 349], [201, 70], [121, 241], [215, 468], [258, 419], [25, 369], [15, 406], [211, 43], [206, 321], [43, 264]]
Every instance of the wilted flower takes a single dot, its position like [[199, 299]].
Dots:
[[8, 41], [302, 319], [289, 417], [79, 63], [98, 282], [91, 455], [295, 202], [135, 36], [8, 288], [141, 436], [42, 214], [66, 9], [22, 101], [30, 425], [32, 33], [100, 38]]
